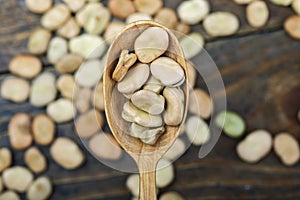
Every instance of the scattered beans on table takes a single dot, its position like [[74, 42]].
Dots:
[[43, 129], [292, 26], [25, 66], [15, 89], [193, 11], [40, 189], [104, 146], [255, 146], [65, 85], [38, 6], [257, 13], [38, 41], [17, 178], [19, 131], [220, 23], [61, 110], [287, 148], [66, 153], [35, 160], [5, 158]]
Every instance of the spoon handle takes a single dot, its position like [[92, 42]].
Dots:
[[147, 189]]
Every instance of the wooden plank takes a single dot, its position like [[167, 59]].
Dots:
[[17, 22]]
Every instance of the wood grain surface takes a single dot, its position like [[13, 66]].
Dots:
[[261, 72]]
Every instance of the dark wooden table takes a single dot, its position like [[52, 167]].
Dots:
[[261, 72]]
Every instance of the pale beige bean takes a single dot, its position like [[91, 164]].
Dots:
[[176, 150], [43, 129], [19, 131], [112, 30], [221, 23], [287, 148], [94, 18], [17, 178], [134, 79], [43, 90], [243, 1], [164, 173], [40, 189], [65, 85], [89, 123], [68, 63], [167, 71], [291, 26], [193, 11], [5, 158], [152, 139], [200, 103], [134, 17], [148, 101], [296, 6], [192, 74], [56, 16], [61, 110], [133, 114], [153, 85], [38, 6], [104, 146], [282, 2], [87, 45], [75, 5], [179, 83], [166, 65], [171, 196], [66, 153], [257, 13], [148, 6], [15, 89], [182, 29], [82, 97], [9, 195], [35, 160], [153, 80], [255, 146], [175, 106], [38, 41], [126, 60], [166, 17], [197, 130], [146, 135], [58, 47], [121, 8], [97, 97], [89, 73], [151, 44], [132, 184], [192, 44], [26, 66], [70, 29]]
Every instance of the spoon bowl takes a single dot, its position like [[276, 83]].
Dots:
[[146, 156]]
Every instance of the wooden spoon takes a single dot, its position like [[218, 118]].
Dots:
[[145, 156]]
